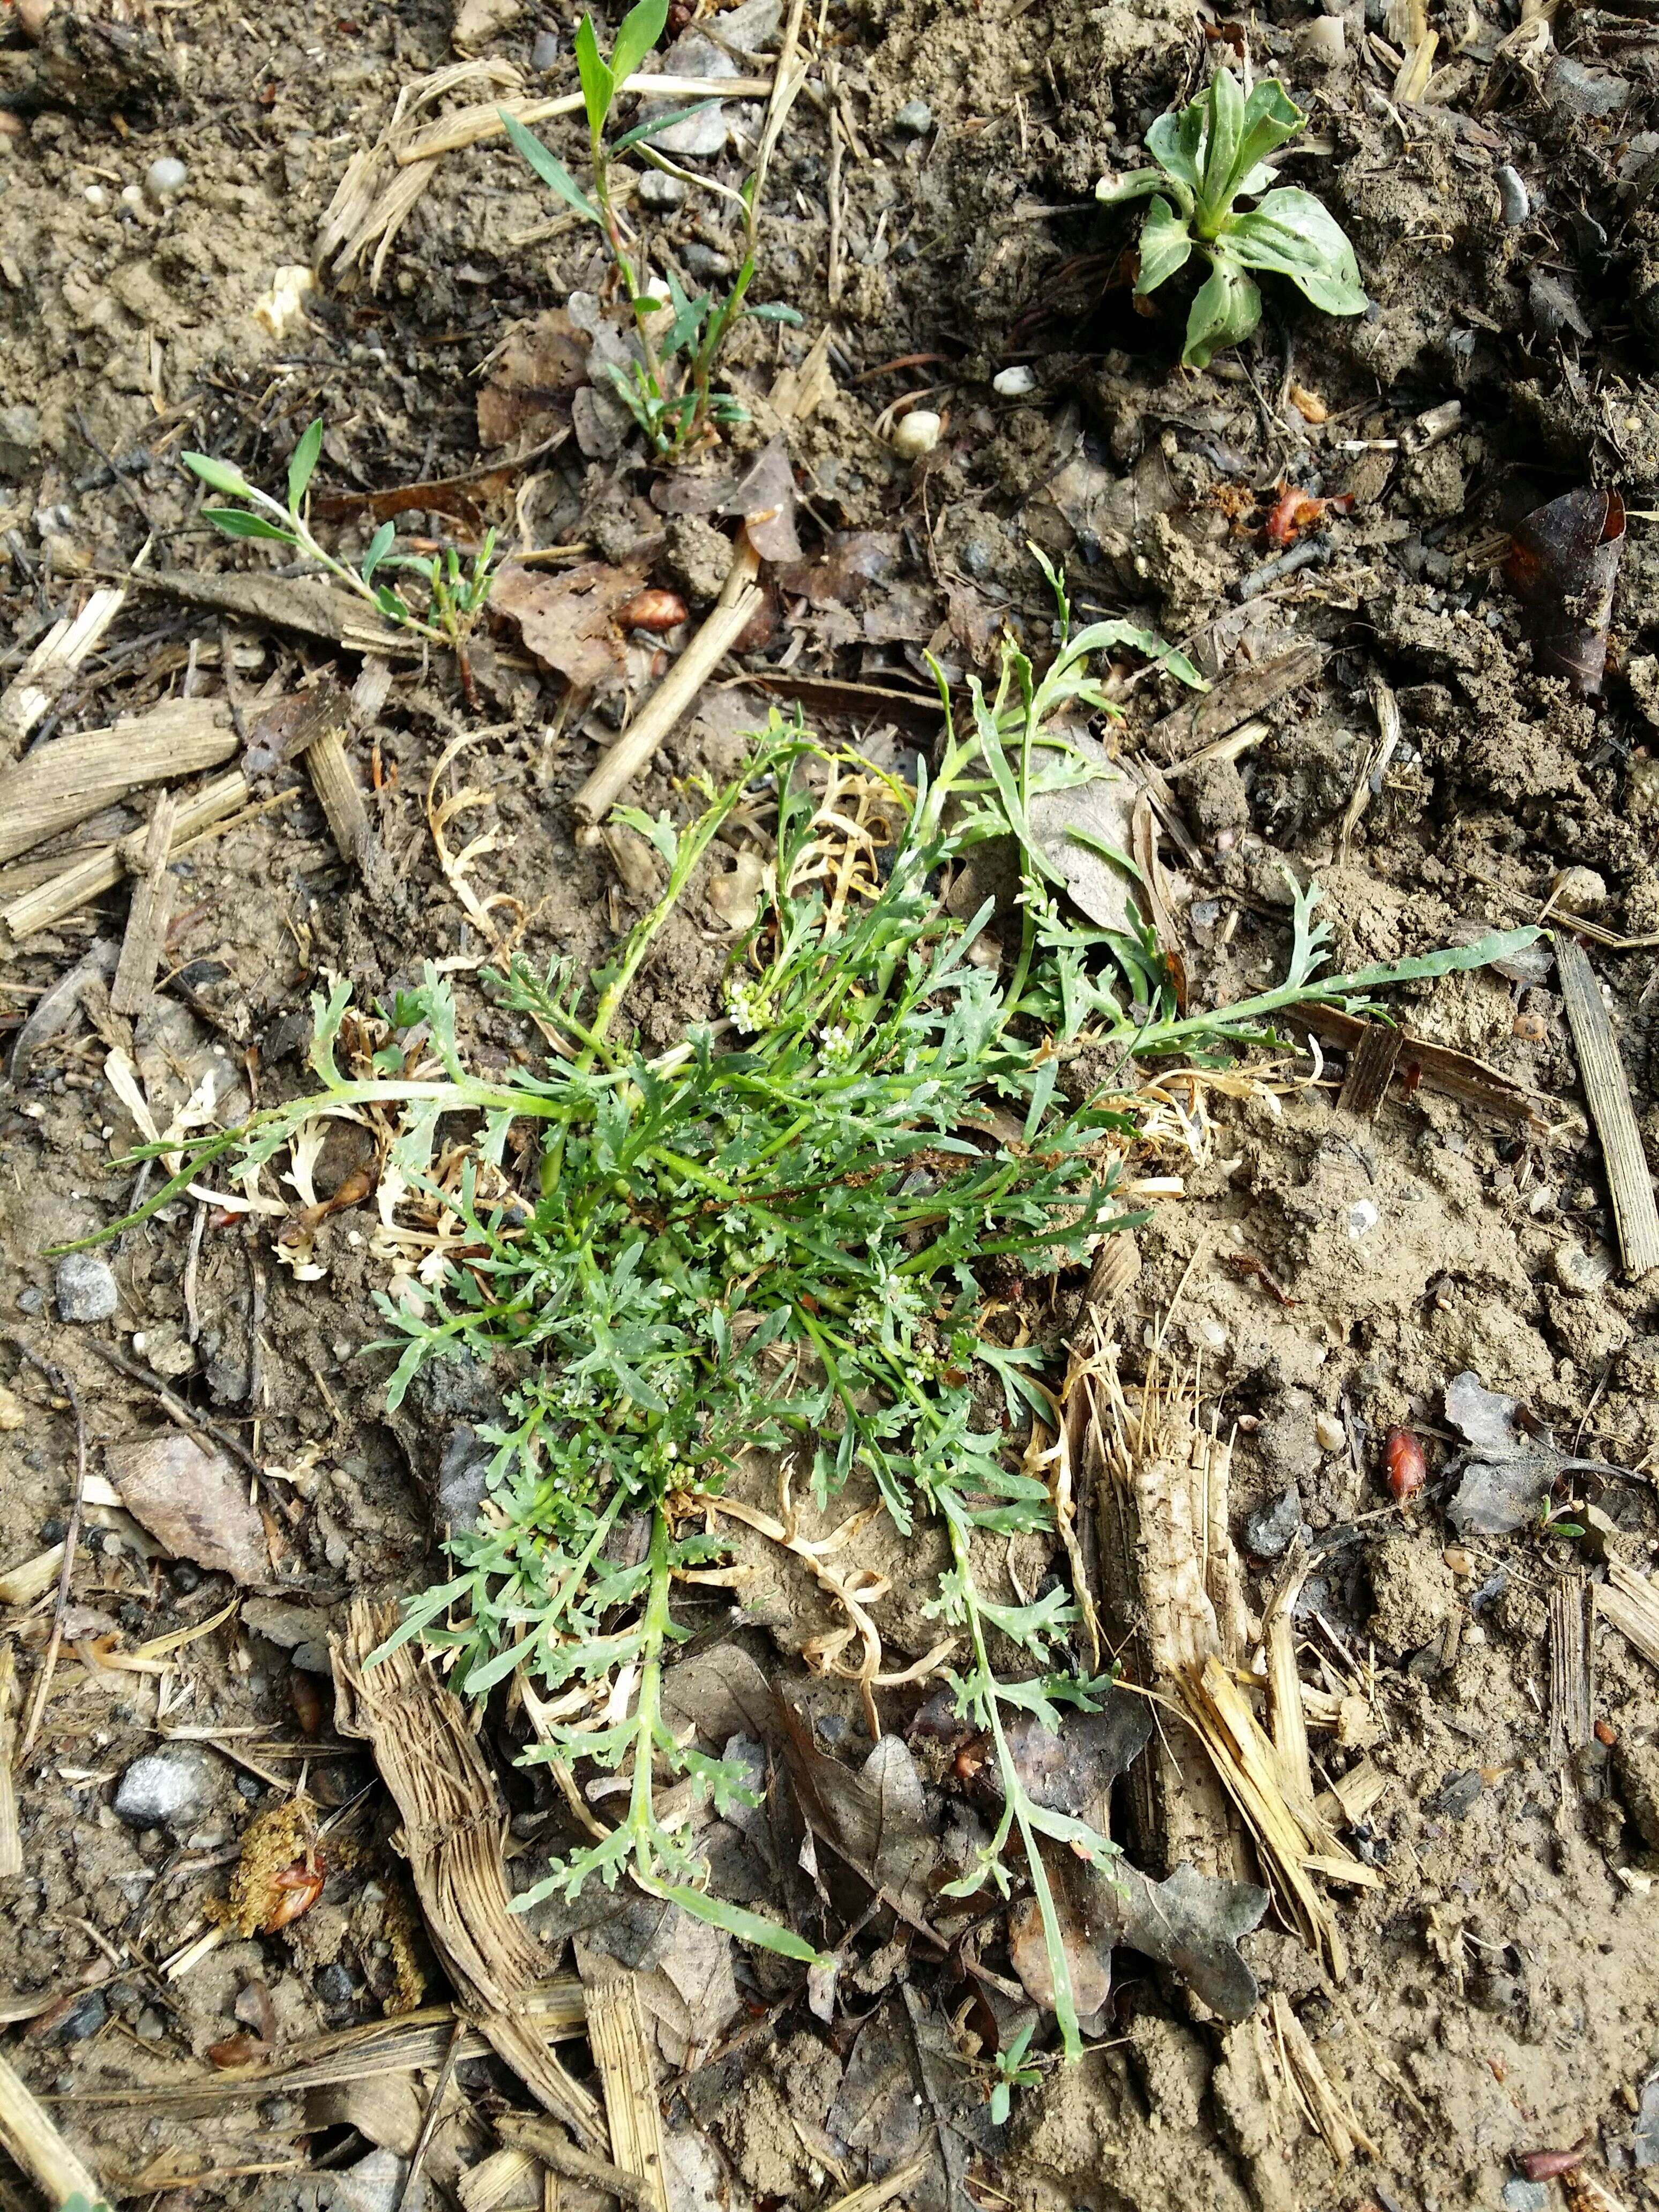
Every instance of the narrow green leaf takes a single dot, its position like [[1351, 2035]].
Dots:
[[1224, 126], [548, 166], [237, 522], [654, 125], [390, 605], [641, 27], [776, 311], [303, 463], [222, 476], [379, 546], [598, 85], [747, 1927]]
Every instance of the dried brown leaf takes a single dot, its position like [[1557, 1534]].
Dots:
[[536, 374], [193, 1501], [569, 622]]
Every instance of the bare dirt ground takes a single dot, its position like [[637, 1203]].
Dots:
[[930, 207]]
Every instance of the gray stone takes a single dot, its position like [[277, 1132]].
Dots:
[[175, 1787], [544, 53], [704, 133], [375, 2183], [462, 1474], [1271, 1529], [915, 119], [83, 2019], [20, 439], [659, 191], [1521, 2196], [1586, 91], [1580, 891], [32, 1301], [706, 261], [86, 1287], [1514, 202]]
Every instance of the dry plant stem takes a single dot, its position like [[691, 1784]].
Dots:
[[59, 1381], [739, 600], [53, 661], [1606, 1089], [342, 802], [454, 1826], [546, 2141], [616, 2029], [61, 783], [433, 2113], [1631, 1602], [1571, 1697], [99, 870], [474, 124], [876, 2195], [11, 1841], [33, 2141]]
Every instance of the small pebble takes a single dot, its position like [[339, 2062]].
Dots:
[[544, 53], [1271, 1529], [706, 261], [86, 1288], [150, 2025], [916, 433], [332, 1984], [1458, 1560], [1580, 891], [978, 558], [1329, 1432], [173, 1788], [1014, 383], [659, 191], [1576, 1269], [1514, 205], [97, 196], [1521, 2196], [32, 1301], [83, 2019], [1606, 1734], [915, 119], [133, 196], [165, 179]]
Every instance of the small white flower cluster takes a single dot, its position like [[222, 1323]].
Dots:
[[837, 1044], [745, 1002]]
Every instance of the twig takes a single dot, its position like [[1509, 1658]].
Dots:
[[60, 784], [616, 2029], [546, 2139], [832, 194], [875, 2195], [58, 1381], [739, 600], [472, 124], [1607, 1092], [147, 915], [181, 1415], [48, 668]]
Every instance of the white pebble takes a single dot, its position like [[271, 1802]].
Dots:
[[97, 196], [165, 179], [916, 433], [1014, 383], [1329, 1432], [133, 196]]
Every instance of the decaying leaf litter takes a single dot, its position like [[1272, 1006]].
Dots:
[[1363, 1713]]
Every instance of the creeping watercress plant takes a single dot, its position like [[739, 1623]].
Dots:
[[1210, 156]]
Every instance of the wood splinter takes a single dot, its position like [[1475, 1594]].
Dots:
[[149, 914]]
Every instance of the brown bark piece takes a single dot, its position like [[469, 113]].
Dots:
[[148, 916], [64, 780]]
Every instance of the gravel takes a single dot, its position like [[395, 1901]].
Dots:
[[175, 1787], [86, 1287]]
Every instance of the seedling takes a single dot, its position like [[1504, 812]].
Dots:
[[1210, 156], [455, 596], [668, 390], [770, 1240], [1012, 2073]]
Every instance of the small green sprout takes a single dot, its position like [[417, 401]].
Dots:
[[455, 596], [1209, 156], [667, 390], [1012, 2073]]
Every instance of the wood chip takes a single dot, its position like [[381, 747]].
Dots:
[[1235, 699], [1571, 1699], [148, 916], [1325, 2104], [64, 780], [876, 2195], [1607, 1092], [330, 769], [454, 1826], [43, 676], [1630, 1601], [1371, 1063]]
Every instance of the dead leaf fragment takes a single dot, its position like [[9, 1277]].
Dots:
[[193, 1501], [1192, 1922], [536, 375], [569, 622]]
